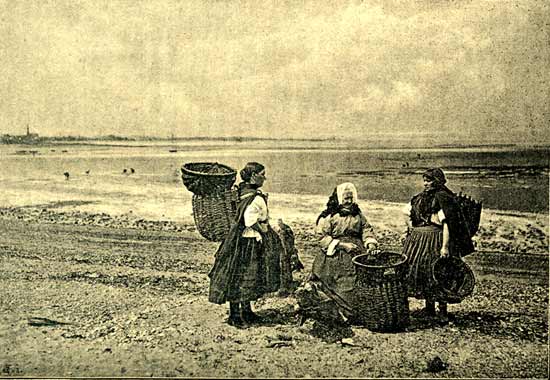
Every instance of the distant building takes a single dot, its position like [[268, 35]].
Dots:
[[29, 138]]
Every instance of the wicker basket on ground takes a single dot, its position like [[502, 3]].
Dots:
[[214, 198], [382, 291]]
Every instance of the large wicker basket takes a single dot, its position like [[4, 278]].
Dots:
[[214, 214], [382, 291], [205, 178], [214, 198]]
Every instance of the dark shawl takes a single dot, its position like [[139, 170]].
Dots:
[[247, 193], [441, 198], [228, 258]]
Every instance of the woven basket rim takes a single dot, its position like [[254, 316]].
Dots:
[[185, 169], [401, 262], [466, 268]]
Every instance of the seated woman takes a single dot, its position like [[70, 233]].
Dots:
[[436, 228], [345, 233]]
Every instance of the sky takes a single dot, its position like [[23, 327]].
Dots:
[[434, 71]]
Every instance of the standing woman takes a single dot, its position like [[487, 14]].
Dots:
[[435, 229], [247, 263]]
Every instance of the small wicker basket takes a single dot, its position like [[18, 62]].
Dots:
[[382, 291], [453, 279], [214, 198]]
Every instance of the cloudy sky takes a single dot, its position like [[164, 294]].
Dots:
[[430, 70]]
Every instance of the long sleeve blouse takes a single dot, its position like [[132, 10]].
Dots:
[[256, 212], [334, 228]]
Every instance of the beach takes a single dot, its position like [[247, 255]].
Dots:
[[103, 272], [116, 289]]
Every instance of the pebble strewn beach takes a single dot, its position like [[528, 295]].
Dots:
[[119, 288], [93, 294]]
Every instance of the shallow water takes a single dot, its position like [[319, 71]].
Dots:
[[503, 178]]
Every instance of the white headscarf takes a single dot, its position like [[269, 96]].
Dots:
[[344, 188]]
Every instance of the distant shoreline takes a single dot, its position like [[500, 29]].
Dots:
[[119, 142], [47, 139]]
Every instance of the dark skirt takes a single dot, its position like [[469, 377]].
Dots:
[[336, 276], [422, 248], [245, 269]]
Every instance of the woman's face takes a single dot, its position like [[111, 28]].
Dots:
[[428, 183], [258, 178], [347, 198]]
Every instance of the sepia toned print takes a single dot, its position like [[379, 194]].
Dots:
[[274, 189]]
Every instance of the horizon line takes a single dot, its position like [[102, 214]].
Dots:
[[134, 138]]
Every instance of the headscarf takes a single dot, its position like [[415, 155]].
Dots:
[[344, 188], [436, 175], [334, 205], [423, 202]]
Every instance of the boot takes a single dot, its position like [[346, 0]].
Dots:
[[235, 319], [430, 308], [443, 314], [248, 316]]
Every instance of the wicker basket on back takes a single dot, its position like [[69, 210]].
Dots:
[[382, 291], [214, 199]]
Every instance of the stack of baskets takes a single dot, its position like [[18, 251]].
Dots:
[[214, 198], [382, 291]]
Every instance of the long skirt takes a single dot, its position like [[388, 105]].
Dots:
[[334, 277], [245, 269], [422, 248]]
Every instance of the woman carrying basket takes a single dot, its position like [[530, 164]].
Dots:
[[247, 263], [329, 295], [435, 229]]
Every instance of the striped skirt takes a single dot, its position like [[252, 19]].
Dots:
[[422, 248], [245, 269]]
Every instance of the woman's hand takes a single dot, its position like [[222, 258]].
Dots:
[[348, 246], [444, 252], [260, 227], [371, 247]]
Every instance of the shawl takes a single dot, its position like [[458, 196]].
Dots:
[[441, 198], [334, 205], [247, 193]]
